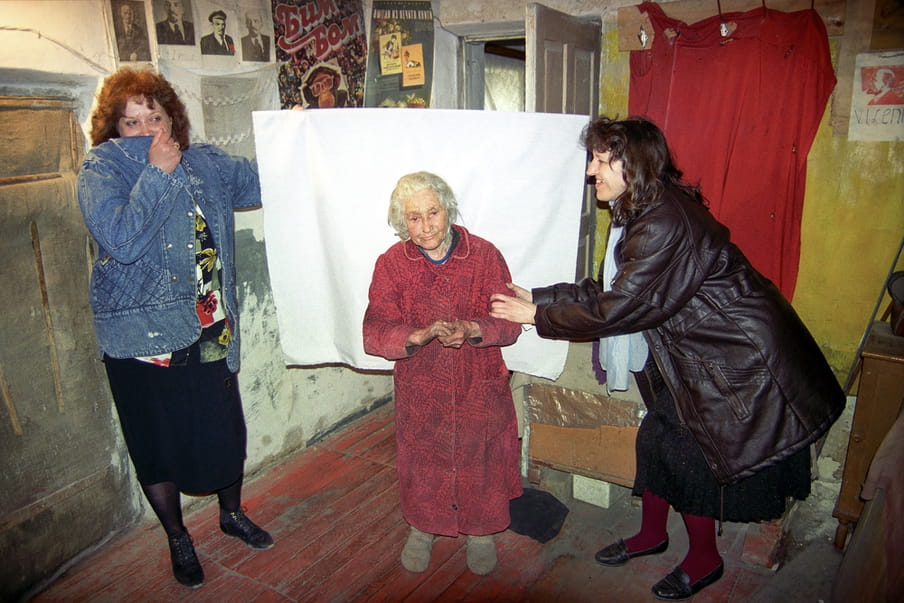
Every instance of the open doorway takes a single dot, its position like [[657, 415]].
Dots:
[[494, 74], [504, 75], [550, 66]]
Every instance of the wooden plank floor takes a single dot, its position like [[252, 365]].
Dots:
[[333, 512]]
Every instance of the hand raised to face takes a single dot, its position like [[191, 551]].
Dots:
[[165, 152]]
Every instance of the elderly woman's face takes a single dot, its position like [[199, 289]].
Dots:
[[608, 176], [140, 120], [427, 220]]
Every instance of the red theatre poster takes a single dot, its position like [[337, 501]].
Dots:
[[321, 48]]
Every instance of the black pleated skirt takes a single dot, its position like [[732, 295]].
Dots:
[[182, 424], [671, 465]]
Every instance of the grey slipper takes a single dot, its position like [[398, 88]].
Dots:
[[416, 554], [481, 554]]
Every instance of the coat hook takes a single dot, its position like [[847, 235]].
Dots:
[[643, 36], [723, 26]]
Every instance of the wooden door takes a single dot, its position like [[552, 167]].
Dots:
[[562, 76], [64, 477]]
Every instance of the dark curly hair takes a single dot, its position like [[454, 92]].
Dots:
[[648, 166], [126, 83]]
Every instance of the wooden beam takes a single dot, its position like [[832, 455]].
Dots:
[[633, 26]]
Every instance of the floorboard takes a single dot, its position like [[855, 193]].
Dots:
[[333, 510]]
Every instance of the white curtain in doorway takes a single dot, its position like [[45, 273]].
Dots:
[[503, 79]]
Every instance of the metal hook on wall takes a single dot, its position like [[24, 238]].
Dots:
[[643, 37], [723, 26], [726, 28]]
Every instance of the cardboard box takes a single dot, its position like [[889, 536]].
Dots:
[[583, 433]]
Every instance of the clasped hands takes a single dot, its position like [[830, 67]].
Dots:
[[450, 333], [453, 333]]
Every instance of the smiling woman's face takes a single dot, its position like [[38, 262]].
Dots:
[[608, 176]]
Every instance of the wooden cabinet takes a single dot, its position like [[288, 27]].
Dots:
[[879, 399]]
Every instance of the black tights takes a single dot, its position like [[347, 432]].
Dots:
[[166, 502]]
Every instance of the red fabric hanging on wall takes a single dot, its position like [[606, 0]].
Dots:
[[740, 114]]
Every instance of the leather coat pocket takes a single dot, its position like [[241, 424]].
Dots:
[[711, 383]]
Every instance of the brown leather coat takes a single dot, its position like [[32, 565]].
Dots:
[[747, 377]]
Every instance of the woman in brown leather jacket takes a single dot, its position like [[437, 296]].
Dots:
[[737, 387]]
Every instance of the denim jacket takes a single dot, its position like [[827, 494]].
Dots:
[[143, 280]]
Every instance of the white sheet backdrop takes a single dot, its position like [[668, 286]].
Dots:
[[326, 178]]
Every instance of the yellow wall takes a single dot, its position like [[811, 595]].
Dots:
[[852, 226], [851, 229]]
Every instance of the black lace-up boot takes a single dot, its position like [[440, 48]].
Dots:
[[236, 523], [186, 567]]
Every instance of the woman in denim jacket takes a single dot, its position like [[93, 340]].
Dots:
[[164, 302]]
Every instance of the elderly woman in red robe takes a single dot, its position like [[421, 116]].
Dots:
[[456, 431]]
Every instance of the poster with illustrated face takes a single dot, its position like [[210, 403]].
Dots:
[[321, 48], [877, 102]]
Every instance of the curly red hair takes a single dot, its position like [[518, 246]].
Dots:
[[127, 83]]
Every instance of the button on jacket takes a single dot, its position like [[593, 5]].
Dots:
[[143, 220], [748, 380]]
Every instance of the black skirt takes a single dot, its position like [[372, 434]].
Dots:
[[671, 465], [182, 424]]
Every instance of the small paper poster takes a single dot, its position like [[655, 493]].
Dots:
[[390, 54], [877, 102], [398, 26], [413, 65]]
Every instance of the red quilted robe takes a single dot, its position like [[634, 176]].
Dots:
[[456, 432]]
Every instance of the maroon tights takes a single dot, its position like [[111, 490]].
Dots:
[[702, 555]]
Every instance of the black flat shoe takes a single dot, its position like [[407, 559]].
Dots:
[[186, 567], [237, 524], [677, 585], [617, 553]]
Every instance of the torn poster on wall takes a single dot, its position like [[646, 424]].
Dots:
[[400, 61], [321, 47], [877, 102]]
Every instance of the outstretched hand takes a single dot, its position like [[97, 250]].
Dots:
[[518, 308]]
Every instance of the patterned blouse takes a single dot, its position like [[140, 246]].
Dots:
[[215, 330]]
